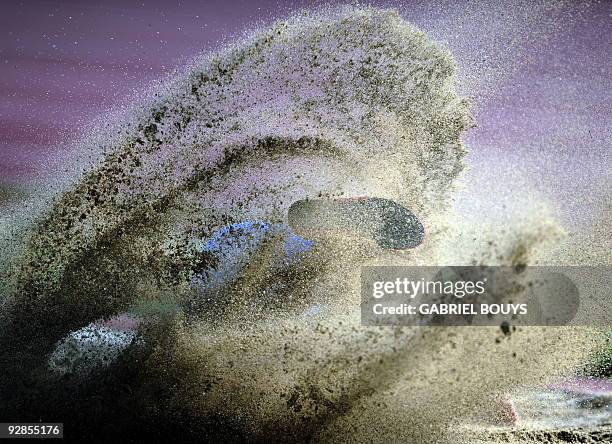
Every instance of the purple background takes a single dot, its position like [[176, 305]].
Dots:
[[539, 76]]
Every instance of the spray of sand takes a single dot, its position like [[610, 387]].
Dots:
[[338, 103]]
